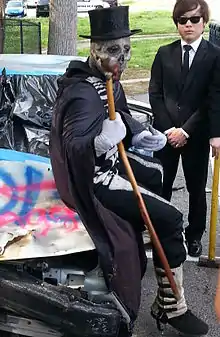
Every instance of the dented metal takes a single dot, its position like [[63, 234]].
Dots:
[[26, 326], [34, 213]]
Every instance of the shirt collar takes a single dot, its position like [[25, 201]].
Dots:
[[194, 45]]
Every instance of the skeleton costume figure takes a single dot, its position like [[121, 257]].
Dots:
[[91, 179], [104, 50]]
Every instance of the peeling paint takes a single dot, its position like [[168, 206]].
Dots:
[[32, 212]]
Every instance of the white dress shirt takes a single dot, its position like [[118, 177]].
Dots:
[[192, 52]]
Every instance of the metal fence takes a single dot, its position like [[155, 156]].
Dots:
[[22, 37], [214, 33]]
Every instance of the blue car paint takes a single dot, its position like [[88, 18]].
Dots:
[[15, 11], [35, 73], [11, 155]]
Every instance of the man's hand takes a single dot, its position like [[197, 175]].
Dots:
[[176, 138], [215, 144], [151, 140], [113, 131]]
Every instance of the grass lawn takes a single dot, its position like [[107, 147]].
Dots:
[[44, 29], [143, 53], [150, 22], [156, 22], [31, 40]]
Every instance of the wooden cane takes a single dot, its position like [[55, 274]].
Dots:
[[214, 210], [141, 204]]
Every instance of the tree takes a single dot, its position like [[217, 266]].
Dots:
[[62, 27], [2, 13]]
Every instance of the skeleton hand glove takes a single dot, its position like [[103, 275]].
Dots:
[[112, 133], [150, 140]]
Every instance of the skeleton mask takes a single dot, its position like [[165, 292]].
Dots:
[[117, 51]]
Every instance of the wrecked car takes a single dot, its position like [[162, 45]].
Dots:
[[51, 283]]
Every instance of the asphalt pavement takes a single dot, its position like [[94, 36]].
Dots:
[[199, 285], [199, 282]]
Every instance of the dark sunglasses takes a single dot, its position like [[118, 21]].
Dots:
[[193, 19]]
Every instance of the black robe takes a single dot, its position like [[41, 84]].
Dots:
[[77, 119]]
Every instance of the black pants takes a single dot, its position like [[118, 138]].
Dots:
[[148, 171], [195, 156], [167, 220]]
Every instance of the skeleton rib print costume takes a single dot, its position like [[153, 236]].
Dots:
[[107, 178], [84, 146], [155, 140]]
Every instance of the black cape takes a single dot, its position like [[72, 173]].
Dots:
[[77, 119]]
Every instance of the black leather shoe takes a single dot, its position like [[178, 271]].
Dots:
[[187, 324], [194, 248]]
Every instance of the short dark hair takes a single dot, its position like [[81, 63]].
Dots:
[[183, 6]]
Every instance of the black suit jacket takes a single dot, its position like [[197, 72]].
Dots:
[[194, 106]]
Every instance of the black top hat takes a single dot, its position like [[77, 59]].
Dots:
[[109, 24]]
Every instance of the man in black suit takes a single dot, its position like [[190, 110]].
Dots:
[[185, 98]]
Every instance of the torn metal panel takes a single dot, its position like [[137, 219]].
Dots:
[[64, 309], [34, 222]]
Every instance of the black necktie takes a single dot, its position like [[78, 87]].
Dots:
[[185, 67]]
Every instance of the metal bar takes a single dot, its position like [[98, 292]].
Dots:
[[21, 38], [39, 38]]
